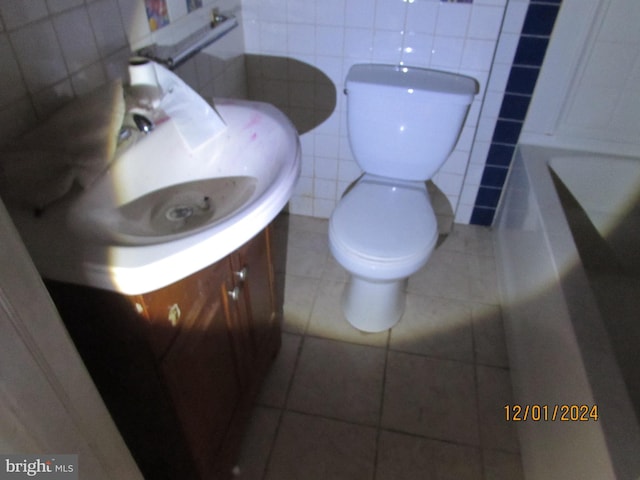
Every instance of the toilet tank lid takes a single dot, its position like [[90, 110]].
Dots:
[[412, 77]]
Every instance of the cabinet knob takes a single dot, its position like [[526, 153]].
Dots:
[[241, 275], [234, 294]]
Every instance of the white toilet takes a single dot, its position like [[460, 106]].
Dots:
[[403, 123]]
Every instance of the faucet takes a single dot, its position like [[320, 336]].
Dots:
[[143, 123]]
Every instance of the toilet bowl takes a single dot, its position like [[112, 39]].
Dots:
[[403, 123], [383, 231]]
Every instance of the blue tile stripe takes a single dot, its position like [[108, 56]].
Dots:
[[532, 46]]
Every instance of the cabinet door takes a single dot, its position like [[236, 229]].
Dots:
[[201, 376], [254, 258], [170, 309]]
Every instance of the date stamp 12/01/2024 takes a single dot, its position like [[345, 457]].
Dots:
[[551, 413]]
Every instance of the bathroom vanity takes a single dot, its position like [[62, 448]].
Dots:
[[180, 367], [163, 247]]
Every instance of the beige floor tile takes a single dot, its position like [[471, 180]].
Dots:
[[338, 380], [309, 240], [409, 404], [328, 321], [406, 457], [488, 335], [305, 262], [334, 271], [312, 448], [431, 397], [258, 441], [299, 295], [483, 279], [502, 465], [494, 392], [435, 326], [309, 224], [470, 239], [276, 385], [446, 274]]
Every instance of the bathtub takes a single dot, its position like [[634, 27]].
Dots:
[[572, 311]]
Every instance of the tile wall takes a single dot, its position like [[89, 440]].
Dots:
[[532, 41], [45, 64], [332, 35], [54, 50]]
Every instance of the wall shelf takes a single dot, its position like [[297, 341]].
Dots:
[[172, 56]]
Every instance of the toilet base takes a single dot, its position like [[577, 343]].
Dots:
[[373, 306]]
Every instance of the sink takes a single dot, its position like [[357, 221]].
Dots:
[[159, 190], [171, 212], [163, 210]]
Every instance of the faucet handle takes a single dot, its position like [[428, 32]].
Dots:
[[143, 123]]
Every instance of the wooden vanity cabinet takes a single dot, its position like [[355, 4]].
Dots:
[[179, 368]]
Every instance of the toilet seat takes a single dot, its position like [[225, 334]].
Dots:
[[383, 228]]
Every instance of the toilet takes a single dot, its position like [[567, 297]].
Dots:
[[403, 122]]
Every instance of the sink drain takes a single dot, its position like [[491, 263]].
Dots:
[[178, 213]]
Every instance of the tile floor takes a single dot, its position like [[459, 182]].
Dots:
[[423, 401]]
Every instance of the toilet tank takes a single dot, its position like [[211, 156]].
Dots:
[[403, 122]]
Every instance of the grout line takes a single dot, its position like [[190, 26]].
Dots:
[[282, 409], [381, 411]]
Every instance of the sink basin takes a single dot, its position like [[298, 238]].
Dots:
[[158, 189], [162, 211], [174, 211]]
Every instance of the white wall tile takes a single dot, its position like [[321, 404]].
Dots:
[[417, 49], [449, 183], [301, 38], [499, 76], [348, 170], [300, 11], [329, 40], [273, 11], [390, 14], [453, 19], [304, 186], [359, 13], [477, 54], [485, 22], [107, 26], [447, 52], [456, 163], [463, 213], [39, 55], [71, 26], [422, 17], [19, 13], [177, 9], [57, 6], [325, 168], [514, 16], [327, 146], [455, 37], [324, 188], [474, 173], [49, 99], [387, 46], [16, 118], [273, 38], [358, 42], [506, 49], [88, 78], [330, 12], [11, 84]]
